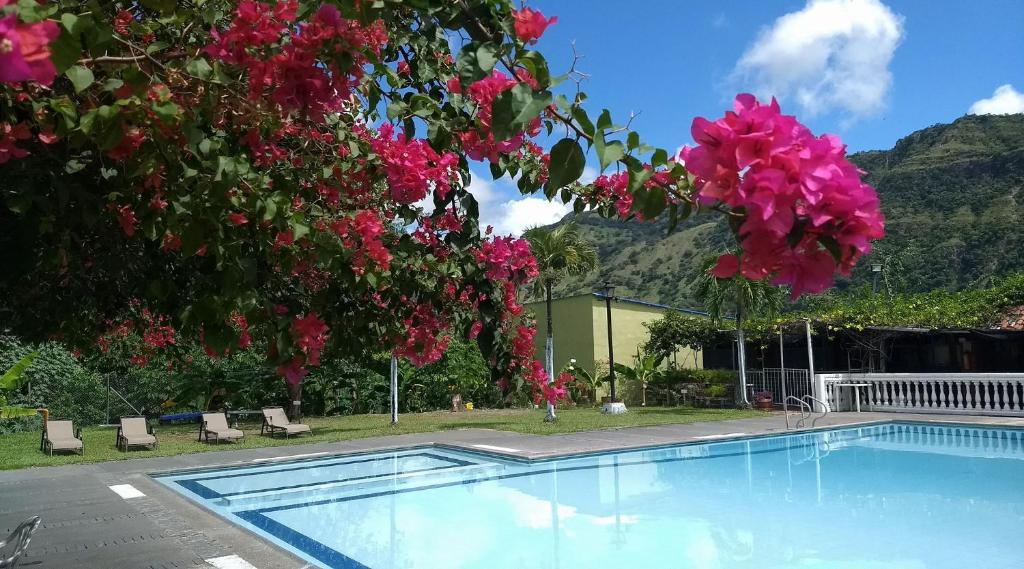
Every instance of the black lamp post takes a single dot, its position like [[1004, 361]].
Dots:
[[608, 290], [876, 269]]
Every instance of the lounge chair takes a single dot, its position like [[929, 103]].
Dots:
[[135, 432], [61, 435], [12, 548], [275, 421], [216, 424]]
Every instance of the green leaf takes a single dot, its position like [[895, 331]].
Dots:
[[396, 110], [566, 166], [659, 157], [199, 68], [655, 203], [610, 152], [156, 47], [581, 117], [467, 65], [535, 63], [12, 412], [513, 109], [299, 227], [633, 140], [487, 57], [167, 112], [65, 51], [69, 20], [14, 378], [81, 77], [605, 120]]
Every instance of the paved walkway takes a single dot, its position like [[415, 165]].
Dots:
[[88, 525]]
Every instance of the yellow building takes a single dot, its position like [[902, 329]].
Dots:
[[581, 330]]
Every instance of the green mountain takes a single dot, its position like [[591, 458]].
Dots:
[[950, 194]]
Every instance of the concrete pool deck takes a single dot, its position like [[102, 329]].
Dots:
[[88, 524]]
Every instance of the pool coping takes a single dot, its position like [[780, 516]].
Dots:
[[523, 457]]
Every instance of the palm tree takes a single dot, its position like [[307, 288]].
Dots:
[[560, 251], [750, 298]]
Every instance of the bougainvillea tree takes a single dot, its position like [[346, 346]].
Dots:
[[295, 174]]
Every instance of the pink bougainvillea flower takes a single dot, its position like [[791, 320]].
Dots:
[[126, 219], [237, 219], [294, 371], [129, 144], [310, 334], [9, 137], [530, 24], [808, 213], [24, 50], [726, 267], [46, 136]]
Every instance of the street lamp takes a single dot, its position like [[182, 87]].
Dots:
[[876, 269], [613, 407]]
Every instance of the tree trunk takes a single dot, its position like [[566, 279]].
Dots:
[[549, 347], [295, 406]]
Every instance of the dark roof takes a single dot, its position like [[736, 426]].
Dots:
[[651, 304], [635, 301]]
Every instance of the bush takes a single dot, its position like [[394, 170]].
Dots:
[[56, 380], [716, 391], [21, 425], [462, 371], [672, 377], [348, 387]]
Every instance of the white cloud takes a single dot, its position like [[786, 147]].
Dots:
[[512, 216], [515, 215], [1005, 101], [833, 55]]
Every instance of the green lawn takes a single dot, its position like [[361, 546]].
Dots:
[[21, 450]]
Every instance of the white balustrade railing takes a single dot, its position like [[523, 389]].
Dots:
[[950, 393]]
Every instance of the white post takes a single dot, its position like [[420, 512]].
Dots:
[[549, 356], [394, 390], [782, 375], [743, 364], [817, 383]]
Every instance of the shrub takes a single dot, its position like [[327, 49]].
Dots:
[[672, 377], [56, 380], [716, 391]]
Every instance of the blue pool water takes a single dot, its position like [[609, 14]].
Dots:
[[903, 496]]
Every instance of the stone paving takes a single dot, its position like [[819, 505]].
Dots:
[[87, 525]]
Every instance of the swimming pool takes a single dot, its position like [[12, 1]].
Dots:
[[897, 495]]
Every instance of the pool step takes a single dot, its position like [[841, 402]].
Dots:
[[327, 490]]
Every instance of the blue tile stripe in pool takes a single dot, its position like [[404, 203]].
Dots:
[[305, 544], [195, 485]]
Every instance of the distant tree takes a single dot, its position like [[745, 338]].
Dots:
[[749, 298], [675, 330], [560, 251]]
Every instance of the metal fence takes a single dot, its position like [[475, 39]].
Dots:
[[798, 382]]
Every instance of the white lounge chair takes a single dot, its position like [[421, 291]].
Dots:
[[61, 435], [135, 432], [216, 424], [275, 421]]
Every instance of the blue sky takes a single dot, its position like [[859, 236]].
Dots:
[[870, 71]]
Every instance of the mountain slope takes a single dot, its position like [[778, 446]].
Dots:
[[952, 198]]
